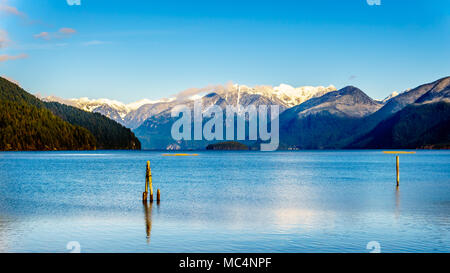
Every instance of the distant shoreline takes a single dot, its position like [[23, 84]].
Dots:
[[205, 150]]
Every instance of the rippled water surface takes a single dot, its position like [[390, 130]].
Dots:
[[325, 201]]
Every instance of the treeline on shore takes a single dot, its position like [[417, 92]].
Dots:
[[29, 124]]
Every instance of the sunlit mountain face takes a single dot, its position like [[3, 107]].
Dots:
[[134, 114]]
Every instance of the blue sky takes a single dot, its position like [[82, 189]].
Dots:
[[129, 50]]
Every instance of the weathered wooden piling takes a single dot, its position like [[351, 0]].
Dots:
[[148, 181], [398, 171], [145, 193], [158, 196], [148, 184], [144, 196]]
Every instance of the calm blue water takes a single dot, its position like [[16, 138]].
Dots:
[[225, 202]]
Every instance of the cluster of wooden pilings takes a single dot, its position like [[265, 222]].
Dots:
[[149, 186]]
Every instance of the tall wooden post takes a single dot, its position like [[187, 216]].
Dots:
[[145, 194], [158, 196], [148, 180], [398, 171]]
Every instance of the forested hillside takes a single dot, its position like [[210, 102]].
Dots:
[[108, 133], [416, 126], [25, 127], [27, 123]]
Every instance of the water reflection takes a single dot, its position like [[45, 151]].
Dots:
[[148, 219], [3, 238], [397, 203], [283, 202]]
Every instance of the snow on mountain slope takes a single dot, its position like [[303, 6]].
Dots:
[[138, 104], [133, 114], [295, 96], [286, 95], [393, 95], [115, 110]]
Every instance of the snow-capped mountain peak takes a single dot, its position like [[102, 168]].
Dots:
[[286, 94], [393, 95], [294, 96], [88, 104], [136, 105]]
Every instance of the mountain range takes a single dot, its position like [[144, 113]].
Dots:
[[134, 114], [311, 117], [348, 118]]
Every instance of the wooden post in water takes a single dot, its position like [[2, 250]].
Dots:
[[149, 180], [145, 194], [158, 196], [398, 171]]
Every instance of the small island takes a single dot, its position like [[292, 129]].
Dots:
[[227, 146]]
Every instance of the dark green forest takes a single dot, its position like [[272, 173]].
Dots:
[[27, 128], [109, 134], [27, 123], [416, 126]]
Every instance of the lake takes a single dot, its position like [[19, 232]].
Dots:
[[306, 201]]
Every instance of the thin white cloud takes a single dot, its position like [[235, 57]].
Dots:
[[4, 39], [43, 35], [62, 33], [94, 43], [67, 31], [190, 92], [4, 58], [7, 9]]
